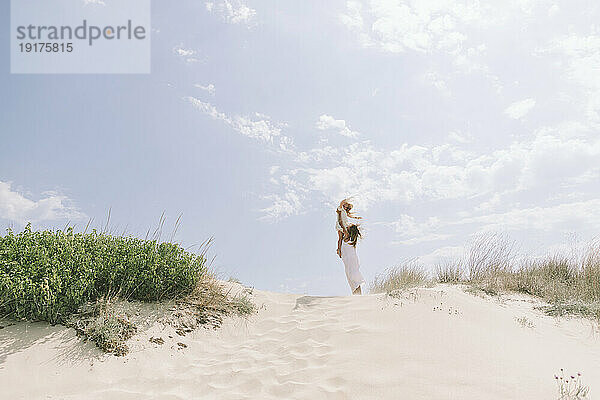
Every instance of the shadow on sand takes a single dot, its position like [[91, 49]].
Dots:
[[16, 337], [311, 301]]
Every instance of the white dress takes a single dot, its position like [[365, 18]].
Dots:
[[344, 218], [352, 266]]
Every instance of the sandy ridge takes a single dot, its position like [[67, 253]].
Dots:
[[429, 343]]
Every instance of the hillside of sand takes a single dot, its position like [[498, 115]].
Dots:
[[427, 343]]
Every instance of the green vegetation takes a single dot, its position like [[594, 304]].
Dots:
[[76, 278], [48, 275]]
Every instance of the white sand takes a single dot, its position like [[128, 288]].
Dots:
[[306, 347]]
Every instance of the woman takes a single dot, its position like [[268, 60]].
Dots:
[[344, 211], [347, 238]]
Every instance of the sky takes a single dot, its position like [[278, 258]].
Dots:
[[442, 118]]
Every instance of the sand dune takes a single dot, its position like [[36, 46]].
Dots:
[[431, 343]]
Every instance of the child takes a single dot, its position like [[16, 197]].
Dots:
[[343, 213]]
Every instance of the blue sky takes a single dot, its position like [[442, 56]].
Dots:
[[443, 118]]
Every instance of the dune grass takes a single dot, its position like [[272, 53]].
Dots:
[[448, 272], [101, 323], [74, 279], [404, 276], [570, 282]]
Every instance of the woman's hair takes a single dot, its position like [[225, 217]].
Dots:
[[354, 234]]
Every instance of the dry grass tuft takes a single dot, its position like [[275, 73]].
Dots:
[[101, 323], [490, 256], [404, 276], [208, 304], [449, 272], [106, 322], [570, 282]]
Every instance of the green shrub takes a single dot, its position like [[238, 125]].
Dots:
[[47, 275]]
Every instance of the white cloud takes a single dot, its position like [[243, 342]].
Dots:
[[210, 88], [412, 174], [434, 79], [281, 206], [232, 11], [443, 255], [94, 2], [567, 216], [575, 216], [581, 66], [410, 232], [353, 18], [456, 29], [519, 109], [327, 122], [459, 137], [258, 127], [15, 207], [422, 26], [186, 54], [553, 10], [375, 175], [429, 25], [180, 51], [286, 203]]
